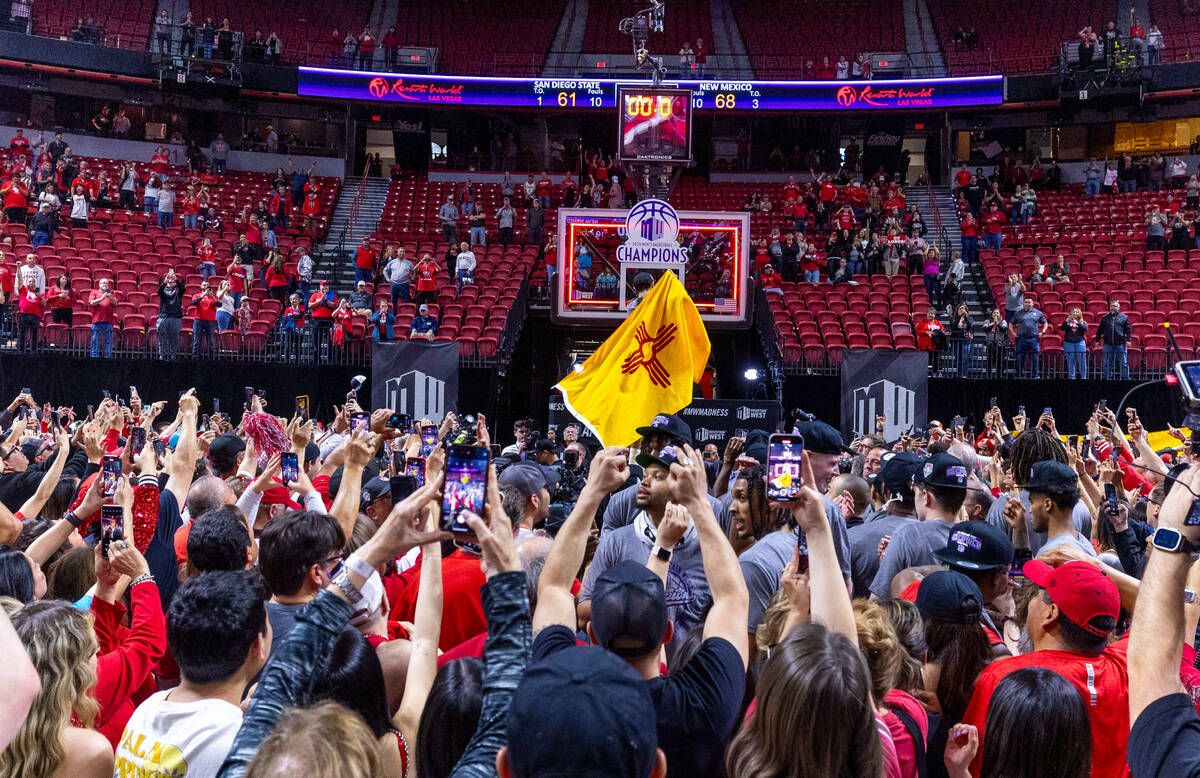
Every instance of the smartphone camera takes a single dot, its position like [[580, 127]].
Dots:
[[111, 519], [137, 440], [465, 488], [785, 454], [289, 466], [1110, 499], [400, 421], [110, 474], [415, 467]]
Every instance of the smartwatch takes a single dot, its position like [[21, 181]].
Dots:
[[1173, 541], [662, 553]]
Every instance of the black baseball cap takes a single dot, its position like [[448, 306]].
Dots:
[[226, 445], [947, 597], [898, 472], [667, 457], [944, 470], [629, 609], [374, 489], [668, 424], [581, 713], [976, 545], [756, 445], [1051, 475], [820, 438], [528, 478]]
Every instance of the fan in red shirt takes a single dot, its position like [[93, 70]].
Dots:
[[19, 144], [993, 227], [828, 191], [1069, 622], [160, 162], [845, 218], [963, 176], [462, 614], [364, 262], [855, 194], [426, 280], [929, 331], [790, 190], [235, 274], [16, 200]]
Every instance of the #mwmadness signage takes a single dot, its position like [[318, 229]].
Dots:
[[894, 384], [712, 421], [417, 378]]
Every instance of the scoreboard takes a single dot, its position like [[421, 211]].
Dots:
[[708, 95], [656, 124]]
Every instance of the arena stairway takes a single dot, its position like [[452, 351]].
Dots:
[[347, 228]]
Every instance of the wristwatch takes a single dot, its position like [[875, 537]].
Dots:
[[662, 553], [1167, 539]]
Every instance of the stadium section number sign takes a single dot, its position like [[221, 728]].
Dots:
[[725, 96], [656, 124], [602, 253]]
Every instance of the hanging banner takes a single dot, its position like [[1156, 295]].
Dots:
[[415, 377], [882, 143], [878, 382]]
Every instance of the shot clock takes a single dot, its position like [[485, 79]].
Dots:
[[656, 124]]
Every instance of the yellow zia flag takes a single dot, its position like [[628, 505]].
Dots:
[[646, 368]]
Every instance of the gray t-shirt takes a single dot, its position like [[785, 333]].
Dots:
[[282, 618], [1080, 515], [762, 564], [1076, 540], [622, 507], [864, 548], [1028, 323], [1014, 297], [688, 595], [911, 546]]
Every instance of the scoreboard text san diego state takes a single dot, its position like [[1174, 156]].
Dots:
[[714, 95]]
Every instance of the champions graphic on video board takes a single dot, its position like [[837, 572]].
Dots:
[[607, 258]]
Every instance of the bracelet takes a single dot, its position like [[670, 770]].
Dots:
[[72, 519], [357, 565], [141, 579]]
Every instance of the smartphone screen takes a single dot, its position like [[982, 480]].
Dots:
[[289, 466], [784, 455], [466, 486], [1073, 441], [359, 421], [25, 390], [991, 403], [112, 518], [216, 405], [302, 407], [1193, 517], [398, 462], [1017, 568], [1021, 411], [415, 466], [402, 486], [801, 555], [1047, 411], [110, 473], [1110, 498], [137, 439], [160, 448], [400, 421], [429, 435]]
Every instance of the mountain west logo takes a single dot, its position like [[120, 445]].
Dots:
[[884, 398], [652, 230], [703, 434], [746, 414], [417, 394]]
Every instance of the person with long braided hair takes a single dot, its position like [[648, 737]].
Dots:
[[56, 738], [1033, 445], [763, 537]]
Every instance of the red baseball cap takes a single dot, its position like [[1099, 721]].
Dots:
[[1079, 590]]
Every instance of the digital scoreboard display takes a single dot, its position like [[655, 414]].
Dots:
[[420, 89], [656, 124]]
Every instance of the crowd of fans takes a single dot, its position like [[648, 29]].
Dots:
[[1114, 47], [284, 596]]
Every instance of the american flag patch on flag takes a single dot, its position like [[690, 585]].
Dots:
[[723, 305]]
